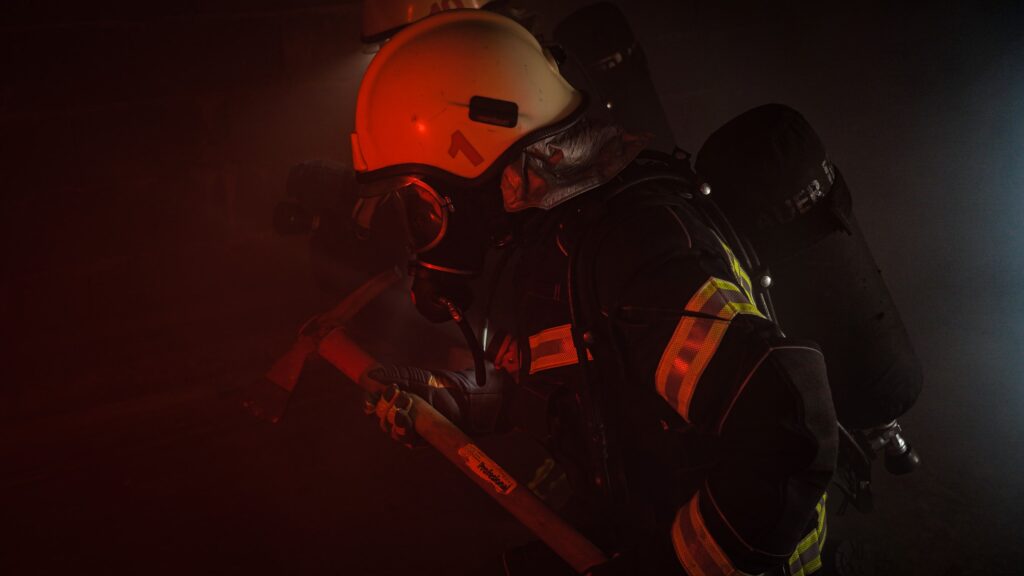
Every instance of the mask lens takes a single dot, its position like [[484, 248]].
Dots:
[[425, 215]]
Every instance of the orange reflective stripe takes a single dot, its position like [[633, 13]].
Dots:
[[553, 348], [695, 548], [696, 340]]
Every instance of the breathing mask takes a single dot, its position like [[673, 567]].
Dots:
[[448, 230]]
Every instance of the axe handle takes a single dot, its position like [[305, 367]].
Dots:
[[348, 357]]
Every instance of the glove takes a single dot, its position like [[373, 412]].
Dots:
[[454, 394], [392, 407]]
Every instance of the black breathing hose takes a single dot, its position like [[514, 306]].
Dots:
[[471, 341]]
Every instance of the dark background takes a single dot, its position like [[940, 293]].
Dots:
[[143, 146]]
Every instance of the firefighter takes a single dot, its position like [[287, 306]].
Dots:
[[697, 439]]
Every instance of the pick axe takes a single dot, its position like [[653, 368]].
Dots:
[[285, 372], [268, 398], [324, 334]]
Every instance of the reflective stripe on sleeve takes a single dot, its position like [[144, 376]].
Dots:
[[695, 340], [695, 548], [806, 559], [553, 348]]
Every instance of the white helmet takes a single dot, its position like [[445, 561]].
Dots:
[[455, 96], [382, 18]]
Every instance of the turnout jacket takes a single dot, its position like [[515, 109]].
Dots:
[[697, 439]]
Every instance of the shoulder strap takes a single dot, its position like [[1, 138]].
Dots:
[[604, 375]]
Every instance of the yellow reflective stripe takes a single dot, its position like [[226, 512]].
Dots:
[[553, 348], [737, 302], [738, 271], [820, 508], [696, 339], [806, 559], [806, 569], [695, 548]]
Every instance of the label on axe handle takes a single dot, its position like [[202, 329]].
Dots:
[[488, 469]]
